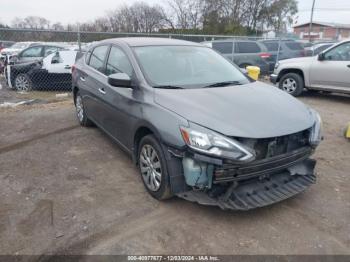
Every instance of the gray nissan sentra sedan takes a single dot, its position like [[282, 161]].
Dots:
[[195, 125]]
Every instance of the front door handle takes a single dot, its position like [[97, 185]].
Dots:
[[67, 67], [102, 91], [82, 79], [349, 66]]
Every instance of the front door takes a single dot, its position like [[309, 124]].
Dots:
[[119, 100], [333, 72]]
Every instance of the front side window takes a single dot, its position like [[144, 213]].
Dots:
[[223, 47], [186, 66], [32, 52], [247, 47], [339, 53], [98, 57], [118, 62]]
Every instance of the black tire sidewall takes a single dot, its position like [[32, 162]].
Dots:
[[86, 121], [164, 191], [298, 79]]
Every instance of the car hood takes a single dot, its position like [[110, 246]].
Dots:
[[297, 60], [255, 110]]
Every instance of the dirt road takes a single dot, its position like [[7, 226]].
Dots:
[[65, 189]]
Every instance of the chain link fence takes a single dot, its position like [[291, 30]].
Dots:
[[42, 59]]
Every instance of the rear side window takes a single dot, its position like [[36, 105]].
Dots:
[[32, 52], [118, 62], [223, 47], [294, 45], [98, 57], [247, 47], [272, 46]]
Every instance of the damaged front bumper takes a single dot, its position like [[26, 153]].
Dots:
[[221, 183]]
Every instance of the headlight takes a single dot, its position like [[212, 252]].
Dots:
[[316, 131], [212, 143]]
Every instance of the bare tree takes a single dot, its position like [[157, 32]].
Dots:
[[31, 22]]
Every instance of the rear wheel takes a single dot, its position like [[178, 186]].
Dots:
[[23, 83], [292, 83], [153, 168], [81, 115]]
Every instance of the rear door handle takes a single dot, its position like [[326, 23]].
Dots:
[[67, 67], [349, 66], [82, 79], [102, 91]]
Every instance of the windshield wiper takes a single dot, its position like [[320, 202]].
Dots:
[[168, 87], [226, 83]]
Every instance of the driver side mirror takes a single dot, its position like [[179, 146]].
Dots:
[[120, 80], [56, 58], [321, 57]]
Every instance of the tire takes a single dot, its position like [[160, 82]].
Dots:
[[153, 168], [81, 114], [23, 83], [292, 83]]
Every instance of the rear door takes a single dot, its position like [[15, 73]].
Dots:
[[334, 71], [248, 53], [59, 66], [94, 80]]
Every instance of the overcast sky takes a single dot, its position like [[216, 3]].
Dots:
[[71, 11]]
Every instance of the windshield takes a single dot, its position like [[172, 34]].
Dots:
[[186, 66], [20, 45]]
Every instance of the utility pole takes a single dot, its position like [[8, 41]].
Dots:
[[311, 19]]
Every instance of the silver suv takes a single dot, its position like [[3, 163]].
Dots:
[[328, 71]]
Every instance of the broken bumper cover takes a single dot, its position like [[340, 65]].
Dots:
[[258, 192]]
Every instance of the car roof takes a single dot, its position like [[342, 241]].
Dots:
[[276, 40], [148, 41], [230, 40]]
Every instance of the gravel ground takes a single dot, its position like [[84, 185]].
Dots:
[[65, 189]]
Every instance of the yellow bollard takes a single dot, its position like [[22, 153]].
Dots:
[[253, 72], [347, 131]]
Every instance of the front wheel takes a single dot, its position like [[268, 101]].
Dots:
[[153, 168], [292, 83], [23, 83]]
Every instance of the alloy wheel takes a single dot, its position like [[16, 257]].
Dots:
[[22, 83], [150, 167], [289, 85]]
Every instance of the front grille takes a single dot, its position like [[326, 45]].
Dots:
[[233, 172], [271, 147]]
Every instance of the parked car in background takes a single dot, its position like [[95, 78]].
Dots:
[[15, 49], [6, 44], [194, 124], [317, 48], [3, 45], [287, 49], [329, 71], [36, 52], [52, 72], [244, 53]]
